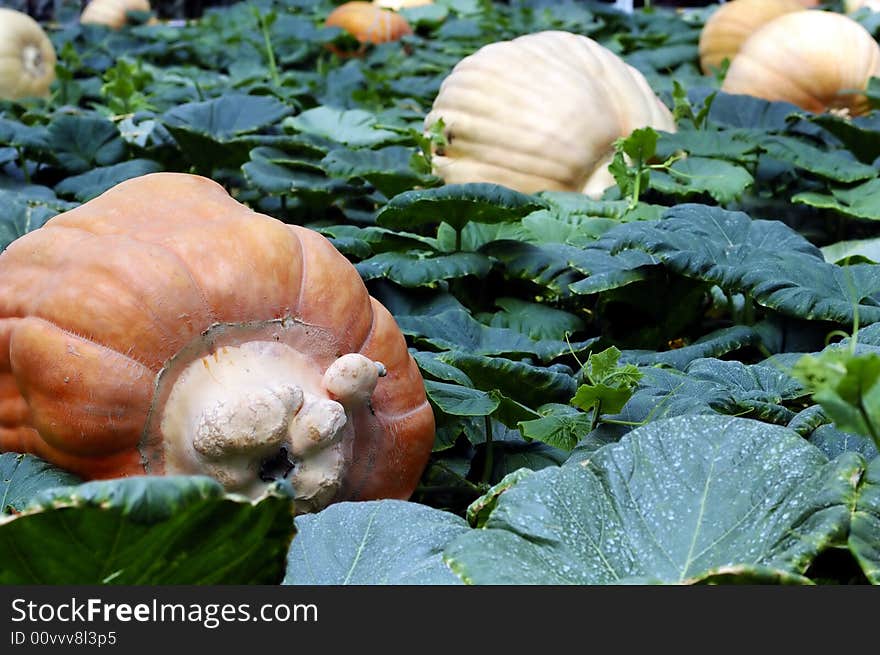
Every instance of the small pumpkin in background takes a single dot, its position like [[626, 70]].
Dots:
[[817, 60], [111, 13], [734, 22], [368, 24], [165, 328], [540, 112], [27, 57]]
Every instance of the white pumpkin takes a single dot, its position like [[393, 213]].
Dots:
[[27, 58], [540, 112], [111, 13]]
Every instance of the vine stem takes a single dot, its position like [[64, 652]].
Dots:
[[488, 462]]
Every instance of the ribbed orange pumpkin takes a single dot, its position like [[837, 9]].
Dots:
[[733, 23], [817, 60], [165, 328], [368, 23]]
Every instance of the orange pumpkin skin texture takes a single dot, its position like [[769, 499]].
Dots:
[[111, 13], [368, 23], [734, 22], [115, 306], [813, 59]]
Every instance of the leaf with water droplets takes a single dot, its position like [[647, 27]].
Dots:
[[682, 500], [372, 543]]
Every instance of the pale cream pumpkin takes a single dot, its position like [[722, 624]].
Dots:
[[27, 57], [111, 13], [813, 59], [733, 23], [540, 112]]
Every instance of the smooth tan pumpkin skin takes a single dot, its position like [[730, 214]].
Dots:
[[734, 22], [540, 112], [18, 32], [808, 58], [368, 23], [111, 12], [94, 303]]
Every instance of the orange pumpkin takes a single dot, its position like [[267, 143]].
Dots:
[[368, 23], [165, 328]]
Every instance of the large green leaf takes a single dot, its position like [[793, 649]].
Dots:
[[678, 501], [147, 530], [355, 127], [89, 185], [719, 179], [860, 201], [864, 537], [221, 119], [766, 259], [23, 476], [83, 142], [458, 204], [415, 269], [373, 543]]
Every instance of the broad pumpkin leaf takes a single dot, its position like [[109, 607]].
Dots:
[[859, 135], [522, 381], [715, 344], [859, 201], [20, 217], [864, 535], [353, 127], [835, 165], [776, 265], [677, 501], [456, 329], [93, 183], [720, 179], [84, 142], [220, 119], [458, 400], [533, 319], [379, 542], [411, 269], [388, 169], [22, 476], [856, 250], [147, 530], [457, 205]]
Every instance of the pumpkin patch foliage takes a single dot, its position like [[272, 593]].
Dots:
[[675, 380]]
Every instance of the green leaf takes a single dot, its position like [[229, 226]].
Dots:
[[715, 344], [847, 386], [457, 205], [864, 534], [22, 476], [19, 218], [691, 176], [221, 119], [835, 165], [533, 319], [778, 267], [455, 329], [456, 400], [354, 127], [422, 269], [608, 386], [147, 530], [854, 251], [561, 426], [522, 381], [860, 201], [89, 185], [84, 142], [383, 542], [676, 501], [388, 169]]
